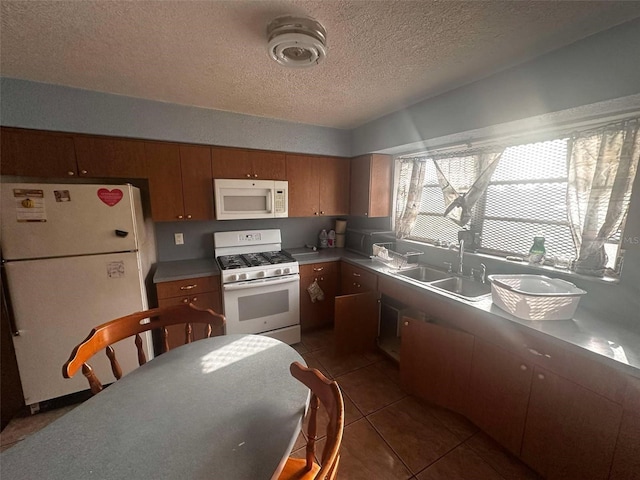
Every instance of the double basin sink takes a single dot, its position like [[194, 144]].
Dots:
[[466, 288]]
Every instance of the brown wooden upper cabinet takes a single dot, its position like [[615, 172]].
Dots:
[[317, 185], [31, 153], [243, 163], [107, 157], [371, 185], [180, 182]]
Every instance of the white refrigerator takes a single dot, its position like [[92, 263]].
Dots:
[[75, 256]]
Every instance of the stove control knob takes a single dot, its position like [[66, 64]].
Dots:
[[260, 274], [233, 277], [278, 271], [243, 276], [287, 270]]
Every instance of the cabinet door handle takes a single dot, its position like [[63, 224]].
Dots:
[[189, 216], [180, 217], [189, 287], [185, 300], [356, 284], [321, 213], [535, 352], [540, 376], [318, 269], [70, 173], [248, 175], [84, 172], [315, 213], [406, 324], [356, 274], [194, 299], [255, 175], [523, 367]]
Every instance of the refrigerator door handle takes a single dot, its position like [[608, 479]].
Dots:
[[6, 304]]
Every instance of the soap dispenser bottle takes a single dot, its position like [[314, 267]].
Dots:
[[537, 251]]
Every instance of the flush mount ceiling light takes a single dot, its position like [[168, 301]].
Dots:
[[297, 41]]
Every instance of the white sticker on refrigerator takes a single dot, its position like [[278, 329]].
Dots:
[[30, 205], [115, 269]]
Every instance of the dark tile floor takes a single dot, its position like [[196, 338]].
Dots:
[[388, 434]]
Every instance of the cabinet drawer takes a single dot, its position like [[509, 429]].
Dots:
[[315, 269], [177, 333], [187, 287], [357, 280]]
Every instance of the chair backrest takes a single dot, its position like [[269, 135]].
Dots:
[[105, 335], [328, 393]]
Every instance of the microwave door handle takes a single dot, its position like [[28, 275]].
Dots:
[[270, 201]]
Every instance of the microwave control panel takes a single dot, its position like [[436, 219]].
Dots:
[[280, 201]]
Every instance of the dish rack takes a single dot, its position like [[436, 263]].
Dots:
[[394, 255], [535, 297]]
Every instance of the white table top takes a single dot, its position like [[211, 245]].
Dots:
[[220, 408]]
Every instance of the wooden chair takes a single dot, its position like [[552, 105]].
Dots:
[[103, 336], [328, 393]]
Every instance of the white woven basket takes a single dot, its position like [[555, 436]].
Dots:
[[535, 297]]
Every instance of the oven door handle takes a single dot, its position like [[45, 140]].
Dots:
[[267, 282]]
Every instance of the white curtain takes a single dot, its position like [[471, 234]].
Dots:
[[409, 195], [463, 181], [602, 166]]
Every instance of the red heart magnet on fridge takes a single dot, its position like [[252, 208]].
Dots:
[[110, 197]]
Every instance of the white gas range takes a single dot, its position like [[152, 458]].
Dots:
[[260, 284]]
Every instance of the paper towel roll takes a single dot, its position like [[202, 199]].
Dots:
[[340, 240], [341, 225]]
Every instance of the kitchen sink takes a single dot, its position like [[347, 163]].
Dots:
[[464, 287], [425, 274]]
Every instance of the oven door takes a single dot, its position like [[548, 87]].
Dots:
[[259, 306]]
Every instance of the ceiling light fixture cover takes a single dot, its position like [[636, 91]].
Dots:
[[297, 41]]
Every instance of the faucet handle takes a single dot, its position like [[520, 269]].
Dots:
[[481, 272], [449, 266]]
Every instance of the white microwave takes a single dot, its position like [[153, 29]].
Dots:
[[244, 199]]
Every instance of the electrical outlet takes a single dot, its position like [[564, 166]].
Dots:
[[179, 238]]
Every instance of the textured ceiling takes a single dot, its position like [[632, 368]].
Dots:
[[382, 55]]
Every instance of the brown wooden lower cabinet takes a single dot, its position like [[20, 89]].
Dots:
[[201, 291], [319, 313], [570, 431], [498, 395], [435, 362], [356, 322], [626, 459]]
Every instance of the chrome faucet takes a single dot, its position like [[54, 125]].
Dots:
[[460, 257]]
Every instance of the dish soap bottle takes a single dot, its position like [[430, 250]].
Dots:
[[537, 251]]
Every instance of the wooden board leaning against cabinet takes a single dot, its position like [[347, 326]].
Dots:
[[201, 291], [319, 313]]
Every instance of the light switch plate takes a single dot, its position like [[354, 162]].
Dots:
[[179, 238]]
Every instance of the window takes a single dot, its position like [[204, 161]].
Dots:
[[526, 197]]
